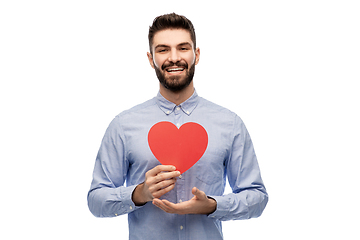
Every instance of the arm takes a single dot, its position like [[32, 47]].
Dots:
[[107, 196], [249, 196]]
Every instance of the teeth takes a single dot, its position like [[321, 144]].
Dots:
[[174, 69]]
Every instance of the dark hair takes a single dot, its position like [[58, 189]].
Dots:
[[171, 21]]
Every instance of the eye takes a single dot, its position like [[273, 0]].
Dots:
[[162, 50]]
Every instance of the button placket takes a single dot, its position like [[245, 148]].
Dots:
[[178, 116], [180, 195], [180, 188], [182, 227]]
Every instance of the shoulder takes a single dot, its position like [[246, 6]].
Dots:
[[217, 109], [221, 115], [137, 112], [137, 109]]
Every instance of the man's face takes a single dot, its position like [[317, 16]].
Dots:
[[174, 58]]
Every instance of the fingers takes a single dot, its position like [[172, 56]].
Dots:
[[160, 180], [166, 175], [159, 203], [160, 168], [199, 204], [161, 188], [166, 206], [161, 173]]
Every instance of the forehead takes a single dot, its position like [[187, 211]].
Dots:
[[172, 37]]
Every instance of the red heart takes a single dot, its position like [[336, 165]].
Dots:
[[181, 147]]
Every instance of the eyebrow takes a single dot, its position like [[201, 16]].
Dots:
[[166, 46], [184, 43]]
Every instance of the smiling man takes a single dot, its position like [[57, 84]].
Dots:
[[177, 59], [161, 202]]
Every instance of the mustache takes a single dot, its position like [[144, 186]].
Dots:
[[178, 64]]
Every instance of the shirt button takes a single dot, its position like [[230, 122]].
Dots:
[[181, 227], [116, 214], [168, 112], [178, 125], [187, 112], [131, 207], [178, 108], [180, 176], [180, 201]]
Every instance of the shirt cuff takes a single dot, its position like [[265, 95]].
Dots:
[[127, 205], [223, 204]]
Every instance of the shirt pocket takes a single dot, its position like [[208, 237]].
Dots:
[[210, 168]]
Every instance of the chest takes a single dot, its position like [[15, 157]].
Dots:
[[141, 158]]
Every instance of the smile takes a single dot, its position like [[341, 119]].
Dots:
[[174, 70]]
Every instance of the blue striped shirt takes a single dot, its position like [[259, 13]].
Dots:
[[124, 157]]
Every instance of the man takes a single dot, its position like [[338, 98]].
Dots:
[[161, 202]]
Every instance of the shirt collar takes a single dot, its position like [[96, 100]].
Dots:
[[168, 107]]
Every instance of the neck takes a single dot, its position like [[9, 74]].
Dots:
[[177, 97]]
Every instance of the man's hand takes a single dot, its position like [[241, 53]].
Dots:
[[199, 204], [158, 181]]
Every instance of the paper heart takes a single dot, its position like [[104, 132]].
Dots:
[[181, 147]]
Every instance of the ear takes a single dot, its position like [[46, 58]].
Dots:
[[197, 55], [151, 61]]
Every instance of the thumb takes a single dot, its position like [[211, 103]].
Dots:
[[199, 194]]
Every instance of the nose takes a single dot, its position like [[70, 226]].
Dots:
[[174, 56]]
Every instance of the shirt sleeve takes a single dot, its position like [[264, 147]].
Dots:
[[108, 197], [249, 197]]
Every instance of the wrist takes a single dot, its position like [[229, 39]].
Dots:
[[212, 205], [137, 195]]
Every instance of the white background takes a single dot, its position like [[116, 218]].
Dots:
[[289, 69]]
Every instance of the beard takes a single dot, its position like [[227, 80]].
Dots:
[[175, 83]]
